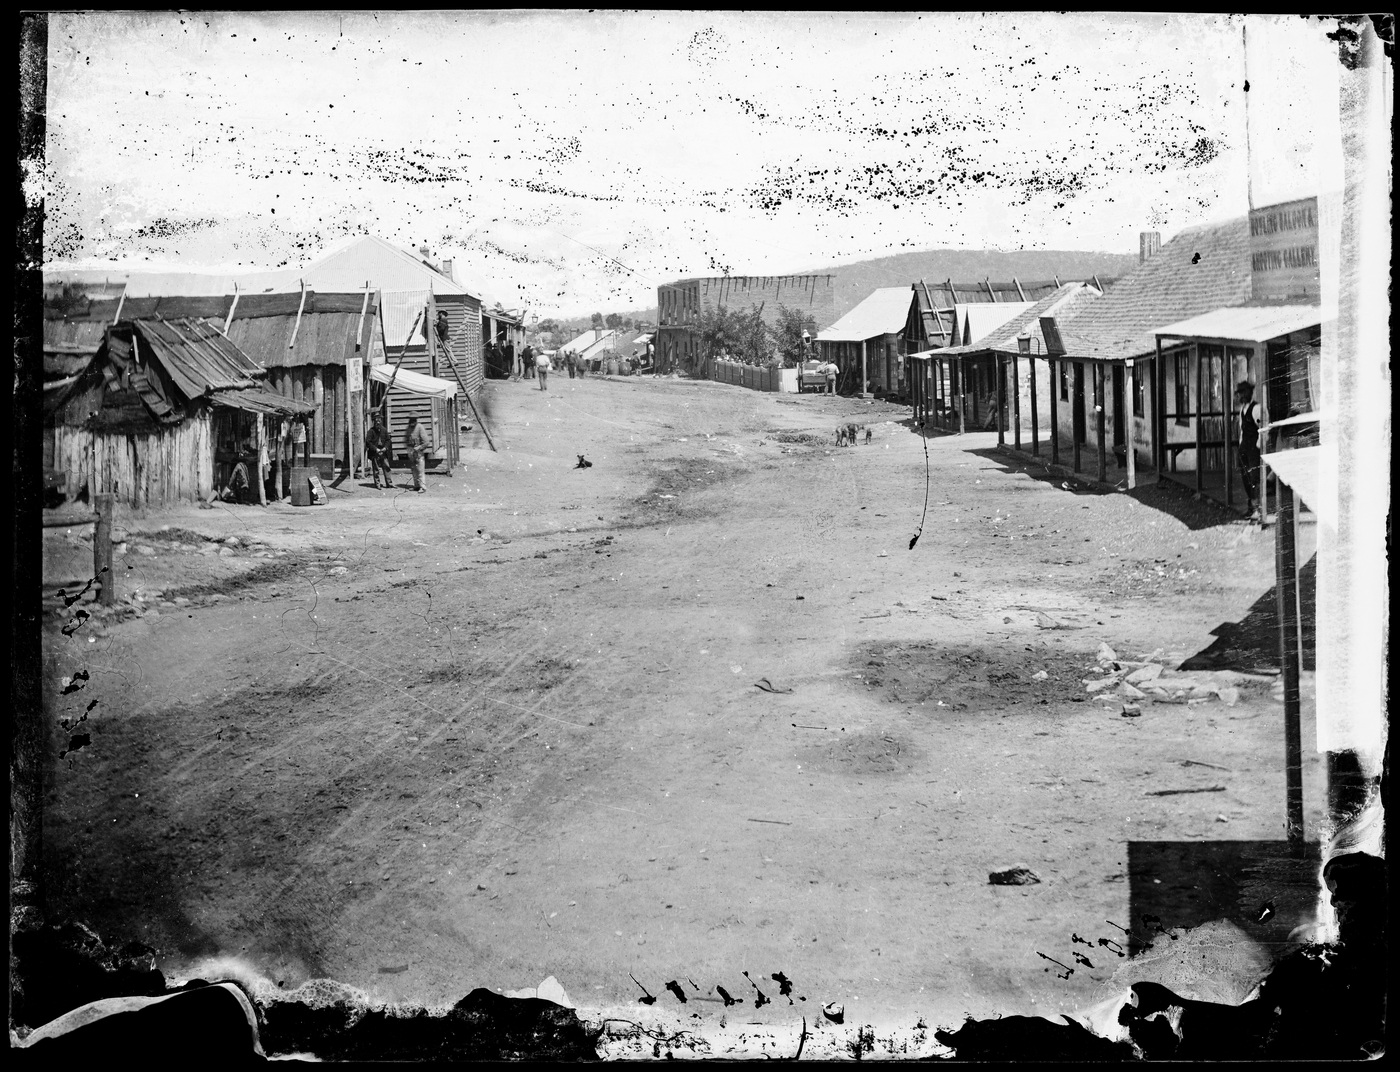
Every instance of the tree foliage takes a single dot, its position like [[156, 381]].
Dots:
[[597, 320], [788, 334], [613, 321]]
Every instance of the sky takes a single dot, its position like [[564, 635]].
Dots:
[[572, 161]]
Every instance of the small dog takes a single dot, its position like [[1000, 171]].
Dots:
[[840, 437], [867, 437], [851, 431], [583, 463]]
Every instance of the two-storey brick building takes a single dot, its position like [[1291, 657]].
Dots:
[[680, 304]]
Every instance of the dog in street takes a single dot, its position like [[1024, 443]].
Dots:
[[841, 437]]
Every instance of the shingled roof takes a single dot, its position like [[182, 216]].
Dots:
[[1201, 269], [1071, 296]]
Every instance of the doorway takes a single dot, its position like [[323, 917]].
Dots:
[[1079, 422], [1119, 411]]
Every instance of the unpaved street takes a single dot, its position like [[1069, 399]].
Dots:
[[511, 728]]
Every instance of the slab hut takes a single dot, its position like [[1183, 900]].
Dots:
[[309, 342], [143, 418]]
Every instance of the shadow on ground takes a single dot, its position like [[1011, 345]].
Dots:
[[1252, 642], [1164, 496]]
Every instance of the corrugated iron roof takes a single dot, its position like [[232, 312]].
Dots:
[[198, 359], [883, 312], [978, 319], [384, 265], [1201, 269], [1250, 323]]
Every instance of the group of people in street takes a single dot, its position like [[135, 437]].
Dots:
[[380, 445]]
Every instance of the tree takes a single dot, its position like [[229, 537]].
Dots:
[[755, 338], [627, 323], [720, 332], [548, 326], [788, 333], [614, 321], [597, 320]]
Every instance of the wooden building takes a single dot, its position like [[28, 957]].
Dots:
[[995, 375], [868, 344], [159, 411], [1111, 386]]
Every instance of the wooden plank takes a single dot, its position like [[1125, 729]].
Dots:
[[1054, 410], [1019, 291], [1099, 377], [291, 343], [1128, 423], [229, 319], [1000, 366], [1200, 432]]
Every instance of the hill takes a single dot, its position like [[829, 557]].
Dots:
[[854, 281]]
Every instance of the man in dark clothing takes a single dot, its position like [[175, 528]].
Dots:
[[1249, 443], [527, 362], [380, 448]]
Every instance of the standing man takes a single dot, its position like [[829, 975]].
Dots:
[[580, 362], [569, 364], [527, 362], [542, 366], [418, 444], [830, 369], [1249, 444], [379, 446]]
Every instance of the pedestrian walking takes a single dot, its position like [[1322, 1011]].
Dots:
[[380, 447], [542, 367], [569, 364], [581, 362], [418, 447], [1248, 451]]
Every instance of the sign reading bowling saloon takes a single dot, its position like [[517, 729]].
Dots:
[[1283, 252]]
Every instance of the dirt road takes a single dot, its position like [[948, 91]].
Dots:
[[510, 728]]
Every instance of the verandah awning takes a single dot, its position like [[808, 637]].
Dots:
[[414, 382]]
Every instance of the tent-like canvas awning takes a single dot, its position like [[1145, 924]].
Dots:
[[415, 382]]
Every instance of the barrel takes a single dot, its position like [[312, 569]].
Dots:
[[301, 485]]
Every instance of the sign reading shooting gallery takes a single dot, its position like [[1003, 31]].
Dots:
[[1283, 252]]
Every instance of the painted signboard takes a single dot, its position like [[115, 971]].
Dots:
[[1283, 254]]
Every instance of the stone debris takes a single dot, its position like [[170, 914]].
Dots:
[[1019, 875], [1107, 656]]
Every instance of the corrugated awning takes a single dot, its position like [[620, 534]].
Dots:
[[1250, 323], [1312, 474], [414, 382]]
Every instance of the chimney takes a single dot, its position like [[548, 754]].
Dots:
[[447, 269], [423, 252], [1149, 242], [597, 334]]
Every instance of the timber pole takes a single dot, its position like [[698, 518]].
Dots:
[[1286, 592], [105, 502]]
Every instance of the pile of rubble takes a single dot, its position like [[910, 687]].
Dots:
[[1151, 678]]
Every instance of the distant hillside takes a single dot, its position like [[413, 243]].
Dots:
[[856, 280]]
